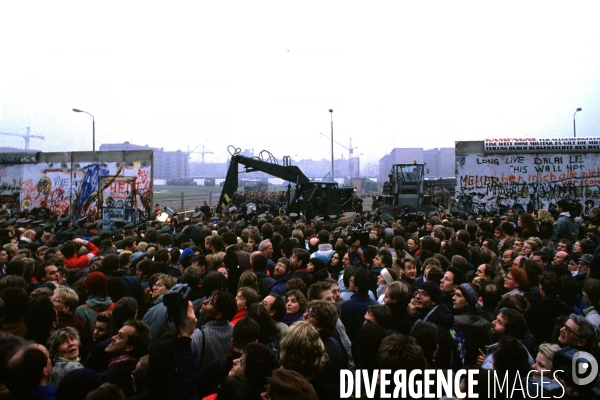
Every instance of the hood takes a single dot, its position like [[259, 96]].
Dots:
[[99, 303]]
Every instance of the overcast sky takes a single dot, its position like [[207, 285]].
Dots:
[[263, 75]]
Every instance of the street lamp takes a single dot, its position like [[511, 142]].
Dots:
[[93, 127], [578, 109], [331, 113]]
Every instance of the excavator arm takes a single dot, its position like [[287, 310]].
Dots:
[[287, 172]]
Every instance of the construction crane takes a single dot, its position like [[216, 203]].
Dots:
[[203, 152], [26, 136], [350, 155]]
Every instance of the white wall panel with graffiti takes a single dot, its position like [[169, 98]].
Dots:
[[536, 179]]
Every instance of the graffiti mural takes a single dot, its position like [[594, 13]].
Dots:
[[527, 179], [46, 182], [10, 183], [81, 188]]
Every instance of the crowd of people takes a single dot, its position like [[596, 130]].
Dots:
[[277, 305]]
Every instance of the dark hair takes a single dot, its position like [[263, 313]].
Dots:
[[363, 280], [110, 263], [225, 304], [278, 307], [268, 326], [550, 283], [510, 358], [515, 323], [245, 331], [139, 338], [260, 363], [426, 335]]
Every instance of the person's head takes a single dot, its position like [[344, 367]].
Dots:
[[47, 272], [426, 335], [29, 367], [302, 350], [549, 284], [275, 305], [400, 352], [64, 343], [245, 297], [396, 293], [295, 302], [289, 385], [579, 333], [508, 258], [486, 271], [452, 278], [132, 339], [516, 278], [543, 360], [323, 316], [591, 292], [283, 267], [257, 364], [321, 291], [65, 300], [361, 281], [96, 284], [162, 283], [379, 315], [465, 294], [219, 305], [266, 248], [427, 296], [510, 358], [300, 258], [509, 322], [409, 268], [245, 331], [104, 327]]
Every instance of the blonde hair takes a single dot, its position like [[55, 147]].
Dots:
[[549, 350], [218, 259], [302, 350], [69, 296], [249, 279]]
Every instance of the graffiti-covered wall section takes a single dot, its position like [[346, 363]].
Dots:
[[108, 185], [533, 176]]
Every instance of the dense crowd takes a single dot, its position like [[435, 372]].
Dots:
[[277, 305]]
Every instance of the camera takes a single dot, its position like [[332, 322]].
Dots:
[[352, 234], [176, 302]]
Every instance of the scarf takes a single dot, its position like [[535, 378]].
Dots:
[[120, 359]]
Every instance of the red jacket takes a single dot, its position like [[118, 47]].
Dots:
[[82, 262]]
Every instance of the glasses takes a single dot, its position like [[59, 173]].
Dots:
[[158, 285], [55, 300], [351, 280], [329, 299], [569, 331], [309, 314], [508, 278], [335, 291]]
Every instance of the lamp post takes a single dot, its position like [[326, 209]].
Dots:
[[574, 132], [331, 113], [93, 127]]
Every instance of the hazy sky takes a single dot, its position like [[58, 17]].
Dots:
[[263, 75]]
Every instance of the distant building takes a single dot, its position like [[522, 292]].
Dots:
[[167, 164]]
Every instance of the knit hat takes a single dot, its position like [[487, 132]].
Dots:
[[95, 284], [318, 264], [433, 290], [469, 292], [77, 384], [290, 385], [187, 252], [459, 276]]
